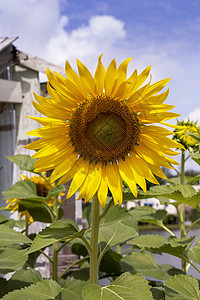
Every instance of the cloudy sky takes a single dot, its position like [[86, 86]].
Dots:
[[161, 33]]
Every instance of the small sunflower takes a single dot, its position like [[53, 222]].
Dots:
[[181, 136], [43, 187], [98, 130]]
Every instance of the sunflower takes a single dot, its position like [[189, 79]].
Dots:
[[98, 130], [43, 187], [181, 136]]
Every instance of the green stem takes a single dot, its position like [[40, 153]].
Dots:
[[55, 245], [182, 212], [55, 262], [73, 264], [47, 256], [128, 249], [167, 229], [118, 249], [106, 209], [94, 241], [188, 229]]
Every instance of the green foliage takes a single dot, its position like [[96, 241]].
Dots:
[[73, 289], [44, 290], [23, 278], [11, 259], [182, 287], [126, 286], [23, 161], [9, 236], [143, 263], [57, 232]]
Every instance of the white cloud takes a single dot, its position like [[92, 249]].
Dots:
[[194, 115], [100, 35], [34, 21]]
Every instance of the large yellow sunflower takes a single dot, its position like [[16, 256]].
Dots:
[[43, 187], [98, 130]]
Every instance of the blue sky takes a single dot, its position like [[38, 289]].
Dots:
[[161, 33]]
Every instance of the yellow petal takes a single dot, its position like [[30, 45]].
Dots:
[[110, 77], [142, 77], [103, 187], [86, 78], [114, 182], [92, 181], [127, 174], [100, 76], [157, 87], [78, 178]]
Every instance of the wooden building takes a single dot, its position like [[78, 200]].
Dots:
[[19, 77]]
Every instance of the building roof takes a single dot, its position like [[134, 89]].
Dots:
[[24, 59], [6, 41]]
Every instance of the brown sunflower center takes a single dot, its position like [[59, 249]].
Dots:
[[104, 129]]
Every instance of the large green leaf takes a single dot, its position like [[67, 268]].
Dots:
[[182, 287], [57, 232], [173, 246], [23, 278], [24, 162], [182, 193], [126, 286], [149, 241], [44, 290], [9, 236], [23, 189], [12, 259], [148, 215], [114, 233], [110, 262], [194, 253], [116, 213], [143, 263], [72, 290]]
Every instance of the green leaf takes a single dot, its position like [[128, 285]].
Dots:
[[57, 232], [194, 253], [55, 191], [192, 180], [149, 241], [196, 157], [145, 264], [9, 236], [24, 162], [185, 189], [114, 233], [110, 262], [23, 189], [158, 293], [3, 287], [23, 278], [3, 219], [44, 290], [12, 259], [148, 215], [72, 290], [79, 248], [182, 287], [116, 213], [126, 286], [173, 246]]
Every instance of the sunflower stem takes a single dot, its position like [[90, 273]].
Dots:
[[55, 245], [94, 241], [182, 211]]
